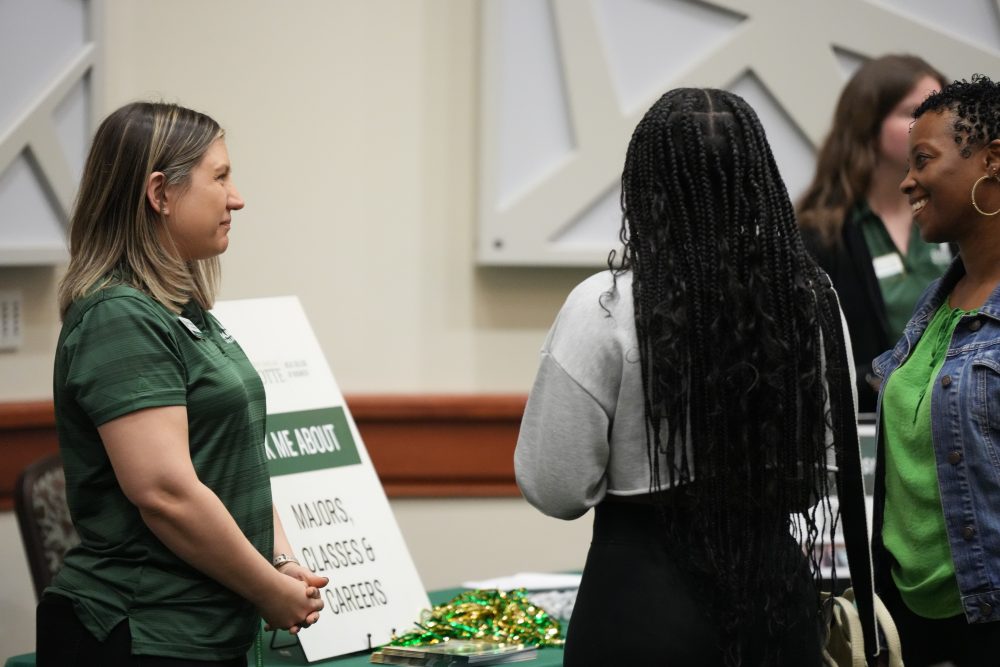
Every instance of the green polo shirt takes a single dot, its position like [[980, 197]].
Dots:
[[914, 528], [121, 351], [901, 278]]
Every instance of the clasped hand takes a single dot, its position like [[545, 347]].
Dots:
[[298, 601]]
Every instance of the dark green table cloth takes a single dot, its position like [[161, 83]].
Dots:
[[293, 655]]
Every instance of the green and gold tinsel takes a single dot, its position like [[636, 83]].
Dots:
[[504, 617]]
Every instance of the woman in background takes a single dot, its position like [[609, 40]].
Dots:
[[692, 396], [936, 539], [160, 418], [854, 220]]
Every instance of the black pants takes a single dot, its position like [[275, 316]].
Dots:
[[928, 641], [63, 641], [637, 606]]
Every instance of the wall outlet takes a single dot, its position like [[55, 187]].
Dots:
[[11, 314]]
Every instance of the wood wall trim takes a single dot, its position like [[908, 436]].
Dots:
[[27, 414], [422, 446], [433, 407]]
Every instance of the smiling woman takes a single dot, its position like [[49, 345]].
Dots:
[[936, 539], [160, 418], [198, 214], [944, 161]]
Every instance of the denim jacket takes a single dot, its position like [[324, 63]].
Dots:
[[965, 431]]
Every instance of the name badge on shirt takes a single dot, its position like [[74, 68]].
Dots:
[[941, 255], [887, 265], [191, 326]]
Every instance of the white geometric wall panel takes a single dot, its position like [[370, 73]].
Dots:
[[48, 52], [564, 83]]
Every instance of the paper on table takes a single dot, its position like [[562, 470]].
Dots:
[[532, 581]]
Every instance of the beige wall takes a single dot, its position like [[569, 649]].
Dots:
[[352, 129]]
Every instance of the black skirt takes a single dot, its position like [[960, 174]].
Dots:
[[640, 603]]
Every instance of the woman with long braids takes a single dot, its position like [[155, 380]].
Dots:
[[693, 395], [936, 539], [854, 220]]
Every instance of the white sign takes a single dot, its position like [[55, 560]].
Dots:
[[328, 496]]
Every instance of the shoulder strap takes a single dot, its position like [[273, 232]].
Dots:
[[850, 485], [851, 496]]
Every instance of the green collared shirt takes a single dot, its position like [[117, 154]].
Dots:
[[121, 351], [901, 278]]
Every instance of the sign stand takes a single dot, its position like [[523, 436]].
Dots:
[[331, 503]]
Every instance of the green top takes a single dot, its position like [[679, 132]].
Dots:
[[914, 528], [120, 351], [901, 278]]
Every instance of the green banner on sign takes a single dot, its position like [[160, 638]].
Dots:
[[309, 440]]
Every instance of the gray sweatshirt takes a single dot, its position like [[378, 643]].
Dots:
[[583, 431]]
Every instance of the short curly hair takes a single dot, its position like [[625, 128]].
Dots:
[[976, 105]]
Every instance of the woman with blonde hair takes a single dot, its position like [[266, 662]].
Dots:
[[160, 418]]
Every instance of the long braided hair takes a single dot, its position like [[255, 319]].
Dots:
[[743, 356]]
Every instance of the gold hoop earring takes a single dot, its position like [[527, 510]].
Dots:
[[974, 204]]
